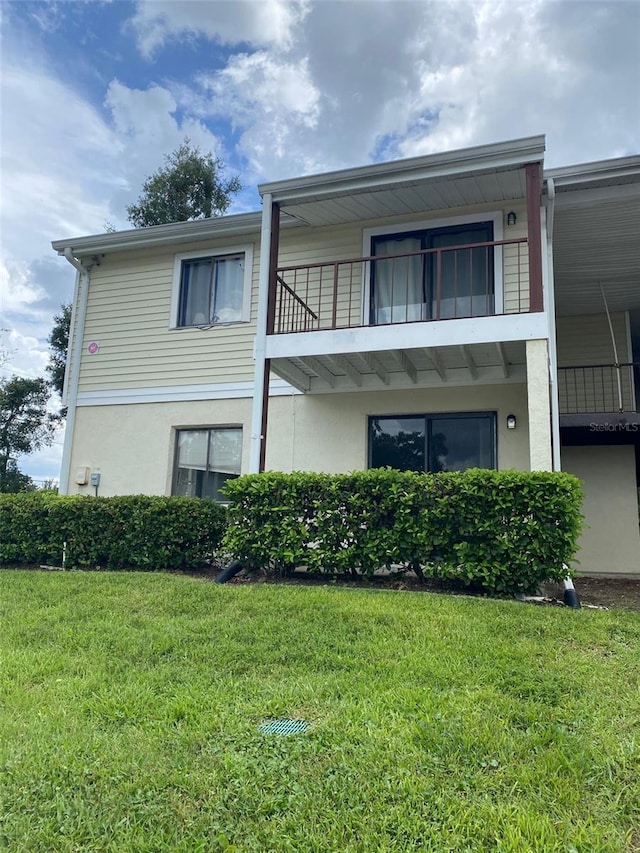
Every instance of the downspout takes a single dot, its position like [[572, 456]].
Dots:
[[74, 354], [571, 598]]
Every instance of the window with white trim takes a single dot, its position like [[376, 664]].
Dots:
[[434, 270], [211, 289], [440, 442], [205, 459]]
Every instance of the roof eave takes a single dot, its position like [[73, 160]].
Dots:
[[502, 155], [569, 177], [165, 235]]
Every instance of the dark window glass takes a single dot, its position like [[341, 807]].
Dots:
[[433, 442], [211, 290], [205, 460], [397, 443]]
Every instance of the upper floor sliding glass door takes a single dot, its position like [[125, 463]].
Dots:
[[433, 274]]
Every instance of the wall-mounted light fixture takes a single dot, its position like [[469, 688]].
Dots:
[[511, 422], [511, 217]]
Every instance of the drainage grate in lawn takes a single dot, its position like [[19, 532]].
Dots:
[[283, 727]]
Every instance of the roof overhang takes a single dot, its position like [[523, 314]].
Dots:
[[596, 236], [236, 225], [478, 175]]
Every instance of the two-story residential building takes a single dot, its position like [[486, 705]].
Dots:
[[458, 310]]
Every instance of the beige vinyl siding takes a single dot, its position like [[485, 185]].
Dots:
[[515, 260], [343, 242], [584, 341], [129, 316]]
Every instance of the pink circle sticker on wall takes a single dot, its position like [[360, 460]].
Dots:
[[93, 347]]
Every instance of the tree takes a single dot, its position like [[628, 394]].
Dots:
[[58, 344], [15, 481], [25, 423], [189, 186]]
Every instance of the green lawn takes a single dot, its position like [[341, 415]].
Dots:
[[130, 707]]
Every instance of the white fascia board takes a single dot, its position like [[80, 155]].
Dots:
[[178, 232], [582, 195], [238, 225], [501, 155], [620, 170], [435, 333]]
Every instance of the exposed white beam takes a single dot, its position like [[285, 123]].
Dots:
[[318, 367], [291, 374], [434, 357], [347, 368], [377, 366], [407, 365], [468, 360], [504, 364]]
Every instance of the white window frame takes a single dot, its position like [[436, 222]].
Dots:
[[495, 216], [217, 252]]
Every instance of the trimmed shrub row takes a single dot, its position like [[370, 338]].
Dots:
[[505, 531], [134, 532]]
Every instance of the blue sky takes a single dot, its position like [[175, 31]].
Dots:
[[94, 94]]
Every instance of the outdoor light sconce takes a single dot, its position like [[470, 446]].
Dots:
[[511, 218], [511, 422]]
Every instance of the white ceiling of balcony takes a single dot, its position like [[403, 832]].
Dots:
[[596, 239], [396, 369], [409, 197], [478, 175]]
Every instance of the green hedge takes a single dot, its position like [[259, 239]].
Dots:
[[505, 531], [136, 532]]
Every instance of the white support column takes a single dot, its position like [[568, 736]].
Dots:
[[538, 402], [261, 337], [548, 283]]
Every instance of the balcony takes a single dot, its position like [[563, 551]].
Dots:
[[425, 317], [449, 283], [599, 389]]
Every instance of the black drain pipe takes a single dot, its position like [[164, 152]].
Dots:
[[229, 571], [570, 595]]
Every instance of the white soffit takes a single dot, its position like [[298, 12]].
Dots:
[[484, 174], [597, 236]]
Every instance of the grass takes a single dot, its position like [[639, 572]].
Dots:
[[130, 707]]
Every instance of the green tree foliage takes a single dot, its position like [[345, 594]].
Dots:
[[58, 343], [15, 481], [25, 423], [189, 186]]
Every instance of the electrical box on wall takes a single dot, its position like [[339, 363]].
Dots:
[[82, 476], [95, 478]]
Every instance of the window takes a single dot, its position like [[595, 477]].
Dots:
[[438, 285], [205, 460], [452, 442], [212, 289]]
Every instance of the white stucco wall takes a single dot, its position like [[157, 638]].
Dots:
[[133, 445], [539, 405], [610, 545], [328, 432]]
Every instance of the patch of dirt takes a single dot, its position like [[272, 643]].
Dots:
[[610, 593], [613, 593]]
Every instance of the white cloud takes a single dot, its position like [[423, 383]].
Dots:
[[257, 22], [390, 79], [271, 100]]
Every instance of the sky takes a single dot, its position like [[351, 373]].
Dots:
[[94, 95]]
